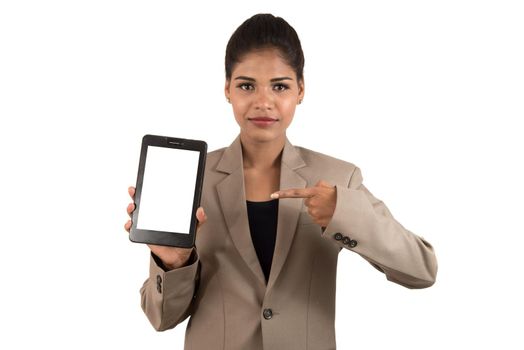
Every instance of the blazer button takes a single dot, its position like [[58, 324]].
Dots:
[[159, 284], [338, 236], [268, 314], [353, 243], [346, 240]]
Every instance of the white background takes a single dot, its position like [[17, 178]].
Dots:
[[426, 97]]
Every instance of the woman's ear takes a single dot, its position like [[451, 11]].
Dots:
[[227, 90], [301, 90]]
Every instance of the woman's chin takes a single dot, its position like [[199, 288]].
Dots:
[[261, 136]]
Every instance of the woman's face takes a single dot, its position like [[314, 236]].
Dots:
[[264, 93]]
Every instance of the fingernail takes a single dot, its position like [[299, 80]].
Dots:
[[274, 195]]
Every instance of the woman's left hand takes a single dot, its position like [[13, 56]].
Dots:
[[319, 200]]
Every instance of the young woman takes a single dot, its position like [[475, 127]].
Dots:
[[263, 270]]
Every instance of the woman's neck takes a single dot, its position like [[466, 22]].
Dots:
[[262, 155]]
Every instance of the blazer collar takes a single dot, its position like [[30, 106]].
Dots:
[[232, 157], [231, 193]]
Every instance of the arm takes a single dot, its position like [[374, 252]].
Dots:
[[363, 224], [167, 296]]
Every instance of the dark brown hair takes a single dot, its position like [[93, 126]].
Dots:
[[265, 31]]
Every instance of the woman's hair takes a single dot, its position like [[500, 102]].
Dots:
[[265, 31]]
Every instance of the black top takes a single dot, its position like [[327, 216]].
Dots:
[[263, 226]]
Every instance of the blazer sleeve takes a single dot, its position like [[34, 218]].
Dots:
[[363, 224], [167, 296]]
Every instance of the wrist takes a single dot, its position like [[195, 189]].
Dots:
[[178, 263]]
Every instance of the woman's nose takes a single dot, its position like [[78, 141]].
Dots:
[[264, 99]]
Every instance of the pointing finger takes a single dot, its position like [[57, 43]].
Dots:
[[294, 193]]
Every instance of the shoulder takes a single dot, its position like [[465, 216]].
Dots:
[[317, 159], [213, 157], [216, 154], [323, 166]]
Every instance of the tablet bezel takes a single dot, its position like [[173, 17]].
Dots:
[[174, 239]]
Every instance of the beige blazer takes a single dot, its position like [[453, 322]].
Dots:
[[223, 288]]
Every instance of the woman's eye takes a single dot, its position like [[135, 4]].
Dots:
[[245, 86], [281, 87]]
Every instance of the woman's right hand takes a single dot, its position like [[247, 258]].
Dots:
[[172, 257]]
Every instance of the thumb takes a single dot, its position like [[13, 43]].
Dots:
[[201, 216]]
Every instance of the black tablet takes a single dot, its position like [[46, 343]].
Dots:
[[168, 191]]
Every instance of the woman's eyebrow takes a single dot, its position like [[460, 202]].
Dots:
[[242, 77], [280, 79]]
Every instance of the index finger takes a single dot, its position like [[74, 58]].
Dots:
[[294, 193]]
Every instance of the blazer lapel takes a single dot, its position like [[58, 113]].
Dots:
[[233, 202], [288, 209], [232, 199]]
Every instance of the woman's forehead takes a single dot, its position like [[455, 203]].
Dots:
[[263, 64]]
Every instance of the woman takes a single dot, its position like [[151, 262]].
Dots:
[[263, 270]]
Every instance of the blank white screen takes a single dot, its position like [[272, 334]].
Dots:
[[168, 190]]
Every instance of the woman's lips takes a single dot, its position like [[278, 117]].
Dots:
[[263, 121]]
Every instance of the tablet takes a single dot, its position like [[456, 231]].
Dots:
[[168, 191]]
